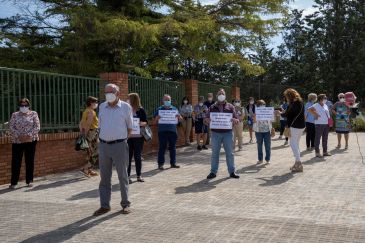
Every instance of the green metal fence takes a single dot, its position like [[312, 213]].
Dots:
[[58, 99], [151, 91], [205, 88]]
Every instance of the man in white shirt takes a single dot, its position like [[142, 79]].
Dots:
[[115, 125]]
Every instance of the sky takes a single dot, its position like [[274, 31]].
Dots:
[[7, 8]]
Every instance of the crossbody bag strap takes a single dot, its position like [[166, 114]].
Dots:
[[297, 116]]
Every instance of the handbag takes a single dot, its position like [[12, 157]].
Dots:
[[81, 143], [287, 132], [146, 132]]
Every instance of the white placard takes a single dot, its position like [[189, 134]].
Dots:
[[136, 130], [168, 116], [265, 114], [220, 120]]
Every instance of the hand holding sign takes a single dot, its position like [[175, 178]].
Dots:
[[264, 114], [168, 116], [220, 120]]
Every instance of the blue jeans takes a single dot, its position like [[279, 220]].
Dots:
[[227, 139], [263, 137], [164, 138]]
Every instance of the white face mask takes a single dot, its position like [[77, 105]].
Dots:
[[185, 102], [251, 102], [342, 100], [237, 104], [221, 98], [110, 97], [324, 101], [24, 109], [210, 99], [94, 106], [201, 104]]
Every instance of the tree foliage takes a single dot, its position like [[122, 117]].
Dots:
[[145, 37]]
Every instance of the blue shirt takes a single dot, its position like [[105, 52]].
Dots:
[[308, 115], [165, 127]]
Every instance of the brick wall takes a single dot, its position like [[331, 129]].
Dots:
[[236, 92], [55, 153]]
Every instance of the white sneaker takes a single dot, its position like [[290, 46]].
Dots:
[[267, 162], [259, 162], [280, 137]]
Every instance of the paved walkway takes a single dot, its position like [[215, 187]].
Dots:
[[323, 204]]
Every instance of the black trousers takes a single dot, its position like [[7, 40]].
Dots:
[[311, 134], [135, 150], [28, 149]]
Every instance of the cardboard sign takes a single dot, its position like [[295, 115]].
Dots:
[[220, 120], [168, 116]]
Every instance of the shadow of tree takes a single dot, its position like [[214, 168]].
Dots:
[[279, 147], [276, 180], [68, 231], [200, 186]]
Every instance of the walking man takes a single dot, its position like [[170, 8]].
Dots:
[[222, 133], [115, 125]]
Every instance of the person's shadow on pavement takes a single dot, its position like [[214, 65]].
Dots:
[[68, 231], [276, 180], [200, 186], [251, 169]]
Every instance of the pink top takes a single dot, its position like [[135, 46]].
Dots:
[[24, 124]]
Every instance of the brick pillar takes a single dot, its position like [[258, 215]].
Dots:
[[191, 90], [120, 79], [236, 92]]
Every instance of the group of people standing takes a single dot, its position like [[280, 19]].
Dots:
[[114, 136]]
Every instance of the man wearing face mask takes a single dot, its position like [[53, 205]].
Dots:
[[238, 128], [24, 129], [222, 136], [208, 103], [167, 134], [115, 126]]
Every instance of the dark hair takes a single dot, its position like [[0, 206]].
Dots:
[[23, 100], [321, 97], [90, 100], [251, 98], [185, 98]]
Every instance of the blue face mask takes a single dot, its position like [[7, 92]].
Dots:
[[167, 103]]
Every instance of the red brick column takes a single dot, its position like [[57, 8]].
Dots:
[[236, 92], [191, 90], [120, 79]]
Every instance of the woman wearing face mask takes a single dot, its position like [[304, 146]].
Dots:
[[321, 115], [250, 112], [88, 127], [238, 128], [201, 130], [342, 113], [186, 110], [309, 122], [24, 129]]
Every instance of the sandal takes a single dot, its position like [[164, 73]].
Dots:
[[297, 167], [140, 179], [92, 173], [85, 173]]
